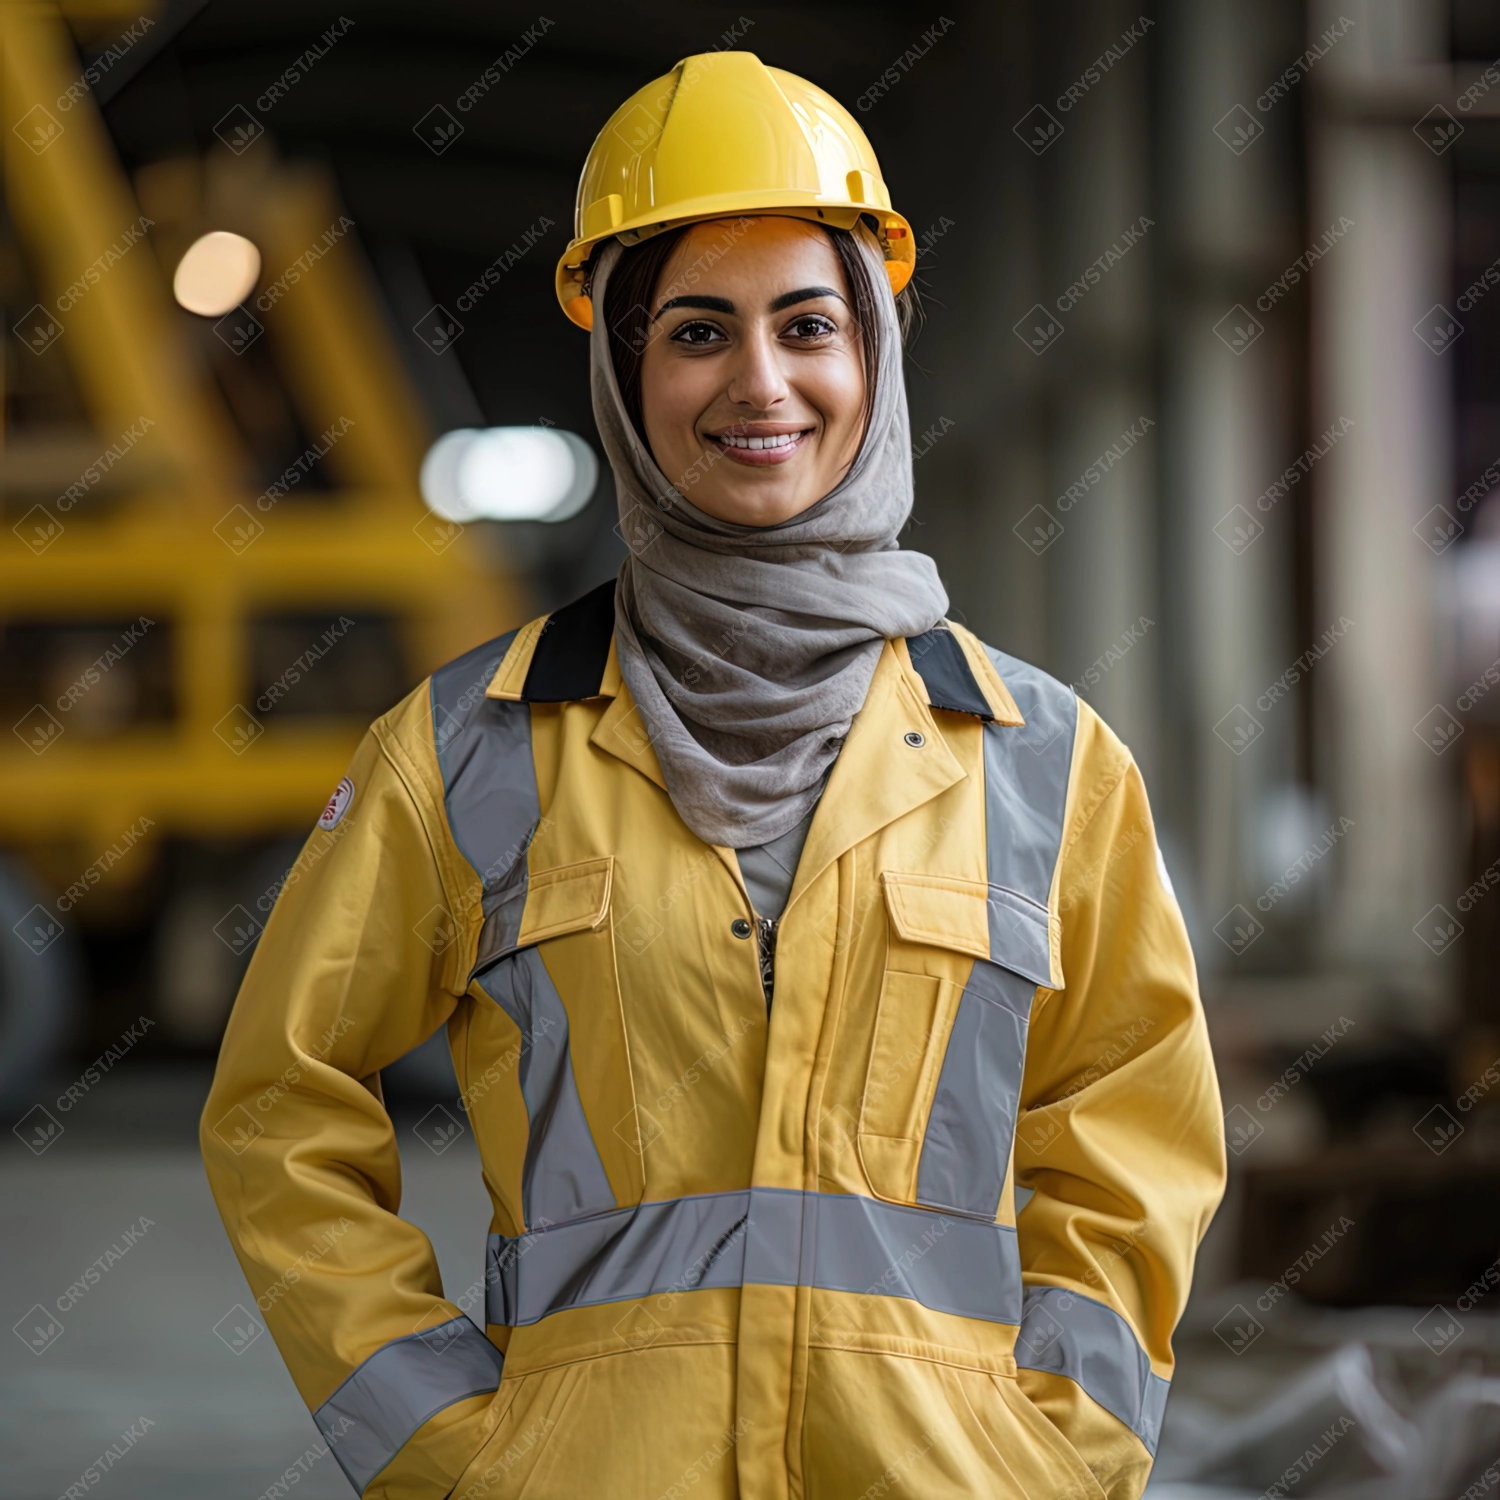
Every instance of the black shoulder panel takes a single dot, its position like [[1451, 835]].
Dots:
[[572, 649], [941, 662]]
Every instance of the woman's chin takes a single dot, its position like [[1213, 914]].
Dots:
[[754, 504]]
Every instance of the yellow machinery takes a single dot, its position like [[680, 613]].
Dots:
[[146, 506]]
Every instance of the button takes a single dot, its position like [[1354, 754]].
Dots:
[[740, 927], [915, 740]]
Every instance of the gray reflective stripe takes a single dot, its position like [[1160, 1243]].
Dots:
[[673, 1246], [1093, 1345], [1019, 936], [373, 1414], [563, 1176], [776, 1253], [966, 1148], [767, 1236], [855, 1244], [1026, 790], [489, 785]]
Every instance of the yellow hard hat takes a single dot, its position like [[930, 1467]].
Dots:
[[724, 134]]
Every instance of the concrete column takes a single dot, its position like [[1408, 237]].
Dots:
[[1104, 458], [1229, 428], [1392, 467]]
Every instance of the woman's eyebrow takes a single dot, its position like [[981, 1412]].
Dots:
[[724, 305], [807, 294], [708, 304]]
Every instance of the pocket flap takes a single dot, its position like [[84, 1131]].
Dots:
[[570, 898], [974, 917], [940, 910]]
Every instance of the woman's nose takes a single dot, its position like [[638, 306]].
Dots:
[[757, 380]]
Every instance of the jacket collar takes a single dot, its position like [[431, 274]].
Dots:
[[878, 777], [570, 656], [895, 758]]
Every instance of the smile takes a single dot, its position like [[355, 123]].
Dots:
[[759, 450]]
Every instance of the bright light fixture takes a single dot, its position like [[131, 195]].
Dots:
[[509, 474], [217, 273]]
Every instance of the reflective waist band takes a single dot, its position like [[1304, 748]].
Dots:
[[767, 1236]]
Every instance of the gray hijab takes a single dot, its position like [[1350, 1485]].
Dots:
[[749, 649]]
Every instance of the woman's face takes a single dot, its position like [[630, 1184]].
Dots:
[[752, 380]]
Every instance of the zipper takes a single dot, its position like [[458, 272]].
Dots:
[[765, 943]]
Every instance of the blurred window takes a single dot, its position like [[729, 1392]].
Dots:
[[95, 677], [344, 664]]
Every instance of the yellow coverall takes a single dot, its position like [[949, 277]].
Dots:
[[923, 1222]]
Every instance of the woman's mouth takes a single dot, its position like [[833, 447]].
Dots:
[[759, 449]]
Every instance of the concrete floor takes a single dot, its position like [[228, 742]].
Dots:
[[141, 1341]]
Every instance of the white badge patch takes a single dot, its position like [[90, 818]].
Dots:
[[338, 804], [1161, 870]]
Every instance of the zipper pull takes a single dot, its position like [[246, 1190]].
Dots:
[[765, 942]]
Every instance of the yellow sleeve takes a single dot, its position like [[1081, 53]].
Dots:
[[1120, 1139], [359, 962]]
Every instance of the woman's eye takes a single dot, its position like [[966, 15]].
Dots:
[[811, 326], [696, 333]]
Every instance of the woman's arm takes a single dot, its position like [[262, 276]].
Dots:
[[1120, 1138], [357, 965]]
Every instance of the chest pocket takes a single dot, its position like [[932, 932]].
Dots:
[[942, 1088], [569, 1059]]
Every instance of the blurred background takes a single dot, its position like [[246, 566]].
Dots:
[[1206, 414]]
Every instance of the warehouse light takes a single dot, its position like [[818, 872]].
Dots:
[[509, 474], [217, 273]]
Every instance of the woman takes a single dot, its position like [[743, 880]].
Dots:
[[825, 1022]]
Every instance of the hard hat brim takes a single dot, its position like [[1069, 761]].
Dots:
[[892, 231]]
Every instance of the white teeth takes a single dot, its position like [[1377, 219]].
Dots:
[[781, 441]]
